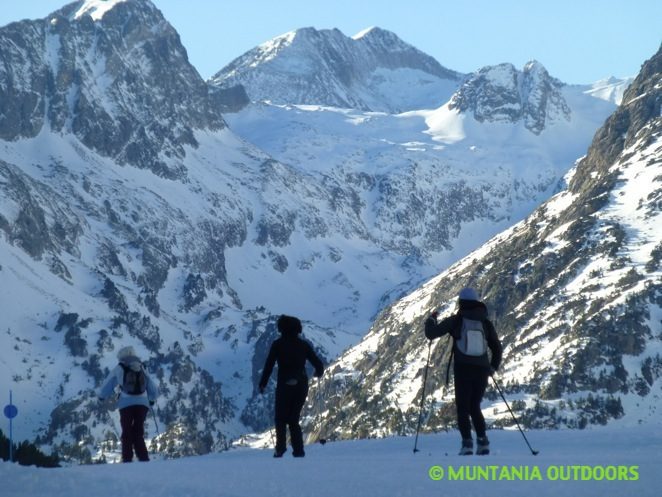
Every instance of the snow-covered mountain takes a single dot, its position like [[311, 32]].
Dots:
[[89, 70], [123, 195], [374, 70], [132, 214], [575, 290], [432, 185], [503, 94]]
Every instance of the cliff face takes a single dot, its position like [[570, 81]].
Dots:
[[121, 83]]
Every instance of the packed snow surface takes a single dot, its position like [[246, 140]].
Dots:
[[600, 462]]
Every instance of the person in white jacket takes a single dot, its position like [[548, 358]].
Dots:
[[137, 393]]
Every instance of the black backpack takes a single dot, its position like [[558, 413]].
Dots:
[[134, 382]]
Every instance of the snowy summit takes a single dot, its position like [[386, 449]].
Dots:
[[96, 9], [363, 32]]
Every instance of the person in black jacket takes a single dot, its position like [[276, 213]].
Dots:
[[291, 353], [473, 333]]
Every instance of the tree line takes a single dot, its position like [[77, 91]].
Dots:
[[27, 454]]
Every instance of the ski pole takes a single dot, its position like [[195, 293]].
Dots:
[[321, 440], [155, 422], [534, 452], [420, 412]]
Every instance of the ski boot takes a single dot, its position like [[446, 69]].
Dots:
[[482, 446], [467, 448]]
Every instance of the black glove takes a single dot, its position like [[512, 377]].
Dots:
[[151, 403]]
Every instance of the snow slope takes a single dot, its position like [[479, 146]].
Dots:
[[386, 467], [574, 289], [400, 166], [131, 215]]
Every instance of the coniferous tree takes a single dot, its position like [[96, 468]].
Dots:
[[27, 454]]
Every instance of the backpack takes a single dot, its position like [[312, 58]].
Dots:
[[472, 340], [134, 382], [469, 341]]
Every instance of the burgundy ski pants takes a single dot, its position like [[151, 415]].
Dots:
[[132, 419]]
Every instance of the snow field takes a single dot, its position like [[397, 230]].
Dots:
[[570, 463]]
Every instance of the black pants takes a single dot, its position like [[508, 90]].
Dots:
[[289, 403], [132, 419], [470, 385]]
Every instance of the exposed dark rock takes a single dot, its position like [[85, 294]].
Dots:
[[504, 94], [194, 291]]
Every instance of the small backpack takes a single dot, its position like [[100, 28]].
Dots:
[[134, 382], [472, 340]]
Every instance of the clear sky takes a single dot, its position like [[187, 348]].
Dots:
[[578, 41]]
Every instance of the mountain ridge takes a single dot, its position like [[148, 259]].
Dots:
[[575, 292], [310, 66], [132, 214]]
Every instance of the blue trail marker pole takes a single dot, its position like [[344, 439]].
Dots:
[[10, 412]]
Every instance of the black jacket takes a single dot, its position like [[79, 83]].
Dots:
[[291, 353], [477, 311]]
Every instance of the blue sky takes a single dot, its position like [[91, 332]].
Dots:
[[578, 41]]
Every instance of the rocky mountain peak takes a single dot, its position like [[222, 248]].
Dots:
[[377, 36], [325, 67], [535, 66], [501, 93], [110, 11], [114, 74]]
